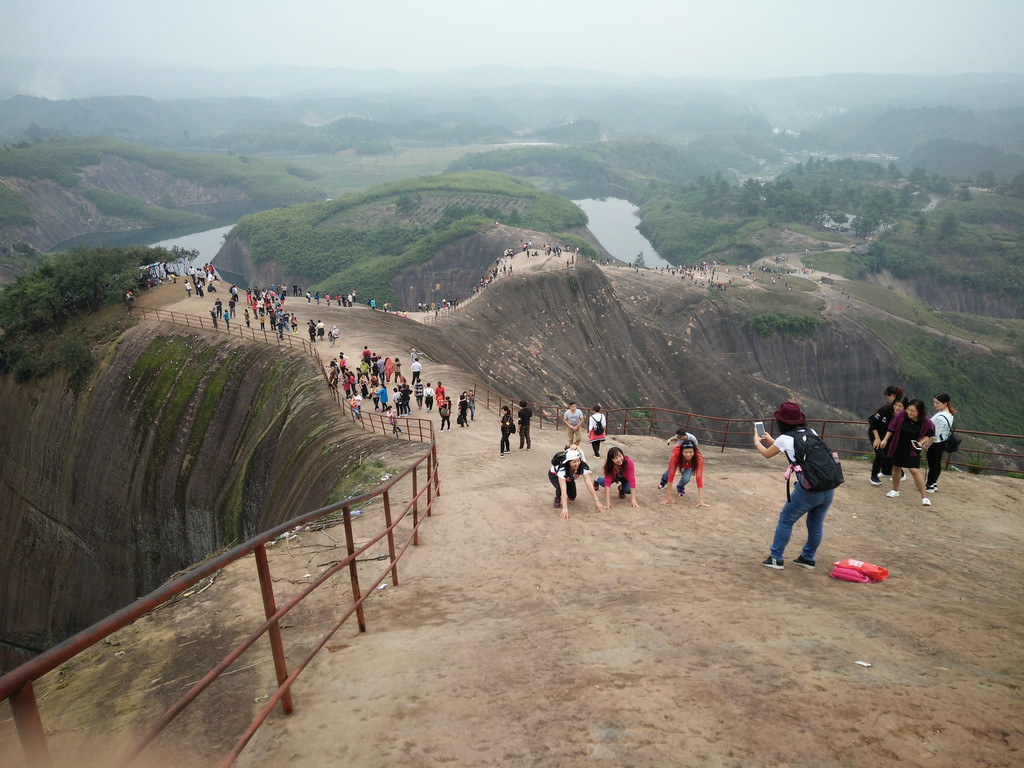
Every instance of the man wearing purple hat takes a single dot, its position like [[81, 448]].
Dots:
[[814, 504]]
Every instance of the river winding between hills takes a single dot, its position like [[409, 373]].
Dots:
[[612, 220]]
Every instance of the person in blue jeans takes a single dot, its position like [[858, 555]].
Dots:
[[618, 468], [813, 504], [680, 436]]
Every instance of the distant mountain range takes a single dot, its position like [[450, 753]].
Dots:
[[779, 99]]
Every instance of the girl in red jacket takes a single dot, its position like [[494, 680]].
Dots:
[[687, 459]]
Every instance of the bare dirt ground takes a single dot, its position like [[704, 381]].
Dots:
[[635, 637]]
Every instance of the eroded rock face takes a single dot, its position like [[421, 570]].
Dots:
[[573, 335], [234, 257], [61, 213], [183, 444]]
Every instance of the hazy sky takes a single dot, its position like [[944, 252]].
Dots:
[[718, 38]]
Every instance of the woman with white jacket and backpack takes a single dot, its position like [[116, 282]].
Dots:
[[597, 430]]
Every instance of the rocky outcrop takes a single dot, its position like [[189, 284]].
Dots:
[[234, 258], [183, 443], [454, 272], [61, 213], [558, 335], [951, 296], [157, 187]]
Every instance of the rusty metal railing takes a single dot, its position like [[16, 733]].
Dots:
[[979, 452], [16, 686]]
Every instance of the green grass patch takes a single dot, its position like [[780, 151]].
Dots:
[[987, 389], [770, 324], [359, 477], [804, 299], [841, 263], [895, 304], [14, 209]]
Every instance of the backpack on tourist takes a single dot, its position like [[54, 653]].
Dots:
[[817, 467]]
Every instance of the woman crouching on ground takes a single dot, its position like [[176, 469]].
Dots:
[[618, 468], [687, 459], [564, 475]]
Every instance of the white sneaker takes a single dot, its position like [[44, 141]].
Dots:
[[926, 502], [893, 494]]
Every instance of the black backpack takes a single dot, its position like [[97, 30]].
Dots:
[[820, 469], [558, 459], [598, 426]]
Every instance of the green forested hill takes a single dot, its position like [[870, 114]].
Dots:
[[53, 191], [266, 181], [359, 242]]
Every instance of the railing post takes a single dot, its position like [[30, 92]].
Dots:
[[415, 499], [30, 727], [725, 437], [353, 570], [436, 474], [274, 632], [390, 537]]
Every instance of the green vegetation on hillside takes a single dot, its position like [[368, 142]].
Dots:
[[127, 207], [615, 164], [42, 326], [14, 209], [976, 243], [267, 182], [359, 242], [989, 388], [773, 323]]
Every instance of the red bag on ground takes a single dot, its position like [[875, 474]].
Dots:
[[873, 572], [848, 574]]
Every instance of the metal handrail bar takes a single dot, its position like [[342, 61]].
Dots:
[[16, 685], [273, 619], [285, 686], [647, 419]]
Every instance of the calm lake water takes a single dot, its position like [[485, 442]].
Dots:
[[207, 243], [613, 222]]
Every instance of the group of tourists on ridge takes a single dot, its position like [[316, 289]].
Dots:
[[900, 433]]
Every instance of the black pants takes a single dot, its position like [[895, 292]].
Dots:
[[504, 447], [882, 463], [570, 487], [934, 456], [524, 436]]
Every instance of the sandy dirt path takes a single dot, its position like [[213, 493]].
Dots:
[[654, 637]]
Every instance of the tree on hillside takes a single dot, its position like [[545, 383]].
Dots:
[[949, 227], [867, 222], [987, 180], [920, 224]]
